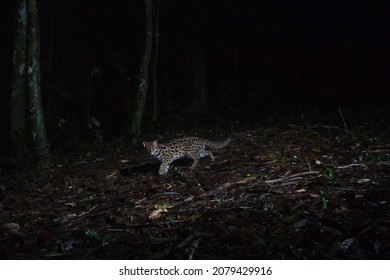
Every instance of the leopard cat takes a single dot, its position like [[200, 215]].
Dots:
[[191, 147]]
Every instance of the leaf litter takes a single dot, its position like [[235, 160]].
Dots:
[[274, 193]]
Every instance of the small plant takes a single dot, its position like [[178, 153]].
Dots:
[[57, 251], [343, 139], [369, 138], [324, 201], [330, 173], [297, 160], [105, 239], [109, 183]]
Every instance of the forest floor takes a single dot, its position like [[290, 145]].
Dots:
[[275, 192]]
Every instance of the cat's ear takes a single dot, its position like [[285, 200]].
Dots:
[[155, 142], [144, 143]]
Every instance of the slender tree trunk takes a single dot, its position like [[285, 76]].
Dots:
[[142, 89], [50, 106], [201, 100], [51, 43], [199, 77], [19, 86], [235, 65], [166, 81], [156, 38], [38, 128]]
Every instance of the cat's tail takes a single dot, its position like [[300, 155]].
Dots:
[[218, 144]]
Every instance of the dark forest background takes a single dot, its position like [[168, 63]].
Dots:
[[262, 60], [301, 87]]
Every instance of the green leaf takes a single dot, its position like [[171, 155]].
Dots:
[[370, 138], [54, 253], [107, 238], [161, 240], [57, 251], [257, 175], [93, 234], [343, 139], [329, 172]]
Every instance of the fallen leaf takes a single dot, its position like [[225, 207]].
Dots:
[[156, 214]]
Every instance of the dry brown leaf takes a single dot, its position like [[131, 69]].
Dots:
[[156, 214]]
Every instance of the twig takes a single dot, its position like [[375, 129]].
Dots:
[[376, 151], [192, 249], [189, 238], [104, 244], [196, 235], [330, 127], [292, 177], [298, 176], [351, 165], [342, 117]]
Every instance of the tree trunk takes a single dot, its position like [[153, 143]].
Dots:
[[166, 78], [156, 37], [38, 128], [47, 74], [19, 86], [199, 77], [201, 100], [142, 89]]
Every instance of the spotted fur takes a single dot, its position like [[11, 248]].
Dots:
[[191, 147]]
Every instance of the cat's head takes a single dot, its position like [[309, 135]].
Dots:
[[151, 147]]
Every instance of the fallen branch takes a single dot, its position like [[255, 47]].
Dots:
[[193, 238], [351, 165], [293, 177]]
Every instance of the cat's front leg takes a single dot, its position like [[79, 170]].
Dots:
[[164, 167]]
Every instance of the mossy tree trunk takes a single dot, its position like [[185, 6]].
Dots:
[[26, 83], [38, 128], [138, 113], [18, 102]]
